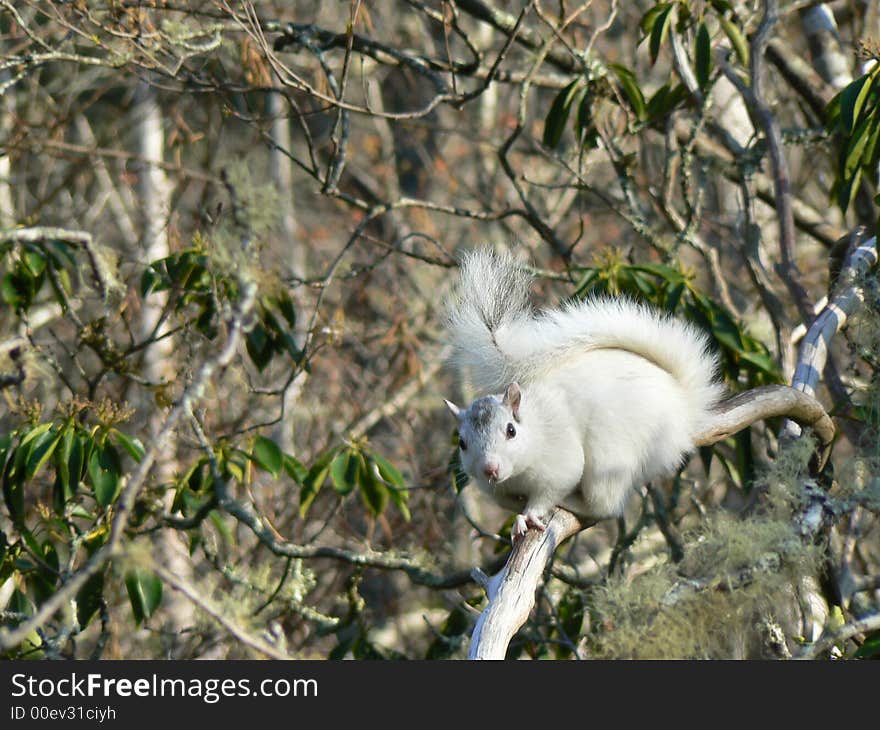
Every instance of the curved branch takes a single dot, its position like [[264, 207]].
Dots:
[[769, 401]]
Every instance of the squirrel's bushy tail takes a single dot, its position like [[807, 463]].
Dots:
[[487, 318], [498, 339]]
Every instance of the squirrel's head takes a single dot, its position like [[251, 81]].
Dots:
[[491, 435]]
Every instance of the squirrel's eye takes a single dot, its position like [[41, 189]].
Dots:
[[511, 431], [462, 445]]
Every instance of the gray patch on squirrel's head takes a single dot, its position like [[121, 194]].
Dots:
[[482, 412]]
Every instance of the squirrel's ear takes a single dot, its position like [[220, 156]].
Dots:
[[512, 397], [456, 411]]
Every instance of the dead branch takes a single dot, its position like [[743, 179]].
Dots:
[[512, 591]]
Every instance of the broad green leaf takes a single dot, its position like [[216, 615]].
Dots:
[[132, 446], [721, 6], [852, 99], [144, 592], [105, 473], [554, 124], [267, 455], [631, 89], [664, 100], [40, 451], [151, 281], [763, 362], [34, 433], [703, 56], [847, 188], [88, 599], [10, 291], [295, 470], [35, 263], [259, 346], [13, 488], [374, 492], [314, 480], [388, 471], [346, 470], [76, 460], [870, 648], [856, 147], [737, 39], [659, 31], [727, 333], [870, 153], [650, 18]]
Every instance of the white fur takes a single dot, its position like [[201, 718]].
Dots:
[[613, 392]]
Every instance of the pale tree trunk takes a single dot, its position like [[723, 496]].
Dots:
[[7, 208], [281, 173], [159, 360]]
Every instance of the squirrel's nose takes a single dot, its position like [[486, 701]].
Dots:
[[491, 471]]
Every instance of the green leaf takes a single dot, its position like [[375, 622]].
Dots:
[[62, 461], [650, 18], [737, 39], [295, 470], [88, 599], [852, 99], [10, 291], [631, 89], [35, 263], [105, 472], [314, 480], [664, 100], [554, 124], [763, 362], [853, 158], [259, 346], [659, 31], [870, 153], [267, 455], [374, 493], [702, 56], [388, 471], [235, 463], [721, 6], [346, 471], [285, 306], [847, 189], [40, 451], [34, 433], [870, 648], [13, 488], [73, 456], [144, 592], [151, 281], [132, 446]]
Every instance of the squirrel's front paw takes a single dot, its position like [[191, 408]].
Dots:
[[522, 523]]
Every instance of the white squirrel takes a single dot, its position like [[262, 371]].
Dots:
[[580, 403]]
